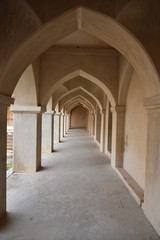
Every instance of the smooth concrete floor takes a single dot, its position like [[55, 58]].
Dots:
[[76, 196]]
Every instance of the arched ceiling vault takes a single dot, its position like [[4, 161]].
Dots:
[[74, 94], [85, 75], [79, 99], [70, 107], [100, 26], [79, 83], [77, 90]]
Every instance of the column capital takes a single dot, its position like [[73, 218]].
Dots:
[[152, 103], [6, 100], [118, 109], [57, 113], [25, 109], [49, 113]]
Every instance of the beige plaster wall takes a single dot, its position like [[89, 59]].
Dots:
[[135, 132], [25, 91], [79, 117]]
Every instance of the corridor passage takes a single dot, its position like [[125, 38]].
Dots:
[[75, 196]]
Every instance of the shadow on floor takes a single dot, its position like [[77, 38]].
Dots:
[[7, 220]]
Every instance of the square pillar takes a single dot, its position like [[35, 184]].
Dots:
[[117, 136], [62, 126], [151, 205], [57, 120], [102, 141], [66, 124], [107, 129], [27, 138], [95, 126], [4, 103], [48, 132]]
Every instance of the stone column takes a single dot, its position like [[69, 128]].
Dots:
[[89, 123], [48, 132], [117, 136], [106, 128], [68, 122], [152, 176], [62, 126], [102, 141], [57, 120], [95, 126], [92, 125], [4, 103], [27, 138], [65, 120]]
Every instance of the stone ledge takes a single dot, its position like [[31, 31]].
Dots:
[[136, 191], [25, 109]]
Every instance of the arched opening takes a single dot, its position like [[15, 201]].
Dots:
[[79, 117], [117, 89]]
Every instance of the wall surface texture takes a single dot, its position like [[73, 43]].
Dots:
[[79, 117], [135, 132]]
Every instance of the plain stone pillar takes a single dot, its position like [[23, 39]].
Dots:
[[117, 136], [57, 127], [102, 141], [48, 132], [62, 126], [92, 126], [152, 177], [65, 124], [27, 138], [89, 123], [4, 103], [106, 129], [68, 122], [95, 126]]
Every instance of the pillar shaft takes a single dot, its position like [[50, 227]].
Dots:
[[102, 141], [61, 126], [68, 122], [48, 132], [57, 120], [4, 103], [117, 136], [27, 138], [107, 129], [95, 127], [66, 128]]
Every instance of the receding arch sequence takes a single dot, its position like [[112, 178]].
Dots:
[[96, 24]]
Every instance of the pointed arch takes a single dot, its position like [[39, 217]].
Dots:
[[96, 24], [84, 90], [79, 99], [84, 74]]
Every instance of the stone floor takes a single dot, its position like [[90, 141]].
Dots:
[[76, 196]]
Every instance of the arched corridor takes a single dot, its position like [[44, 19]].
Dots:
[[76, 195], [73, 64]]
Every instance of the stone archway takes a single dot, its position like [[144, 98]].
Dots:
[[103, 27]]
